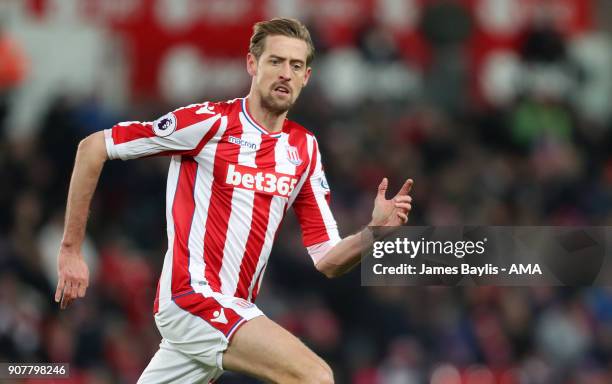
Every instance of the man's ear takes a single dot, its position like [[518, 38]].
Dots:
[[307, 75], [251, 63]]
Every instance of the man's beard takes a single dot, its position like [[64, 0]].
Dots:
[[274, 106]]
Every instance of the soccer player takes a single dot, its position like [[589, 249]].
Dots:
[[235, 168]]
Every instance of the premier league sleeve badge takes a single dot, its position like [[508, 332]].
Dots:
[[165, 125]]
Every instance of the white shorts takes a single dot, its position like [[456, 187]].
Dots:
[[196, 330]]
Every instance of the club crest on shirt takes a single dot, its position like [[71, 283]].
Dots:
[[165, 125], [293, 155]]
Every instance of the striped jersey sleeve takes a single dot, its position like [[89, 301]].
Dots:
[[319, 228], [181, 132]]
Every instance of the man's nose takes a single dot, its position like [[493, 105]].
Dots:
[[285, 72]]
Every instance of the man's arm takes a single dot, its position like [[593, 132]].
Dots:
[[73, 274], [386, 213], [183, 131]]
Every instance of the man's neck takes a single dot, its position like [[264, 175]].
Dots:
[[272, 122]]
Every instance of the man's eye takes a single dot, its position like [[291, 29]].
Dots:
[[297, 67], [274, 61]]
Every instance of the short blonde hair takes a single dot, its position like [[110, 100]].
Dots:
[[283, 27]]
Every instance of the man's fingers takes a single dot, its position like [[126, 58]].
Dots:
[[406, 187], [59, 292], [65, 293], [403, 217], [82, 289], [70, 291], [382, 187], [403, 199], [69, 294], [65, 302], [406, 206]]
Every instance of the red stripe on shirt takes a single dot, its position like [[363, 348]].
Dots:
[[314, 157], [219, 209], [182, 213], [125, 132], [257, 283], [300, 141], [188, 116], [156, 302], [265, 159], [308, 211]]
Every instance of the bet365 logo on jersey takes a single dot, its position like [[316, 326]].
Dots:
[[272, 183]]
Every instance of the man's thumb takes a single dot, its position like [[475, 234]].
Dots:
[[382, 187]]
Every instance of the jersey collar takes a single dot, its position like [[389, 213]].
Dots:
[[254, 124]]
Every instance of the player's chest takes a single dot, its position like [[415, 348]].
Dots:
[[260, 163]]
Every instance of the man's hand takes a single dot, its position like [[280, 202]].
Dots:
[[73, 277], [387, 213], [394, 212]]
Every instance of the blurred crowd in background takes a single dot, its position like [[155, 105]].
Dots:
[[500, 110]]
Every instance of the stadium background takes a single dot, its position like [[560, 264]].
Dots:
[[499, 109]]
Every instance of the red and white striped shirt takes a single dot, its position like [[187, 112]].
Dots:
[[230, 183]]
